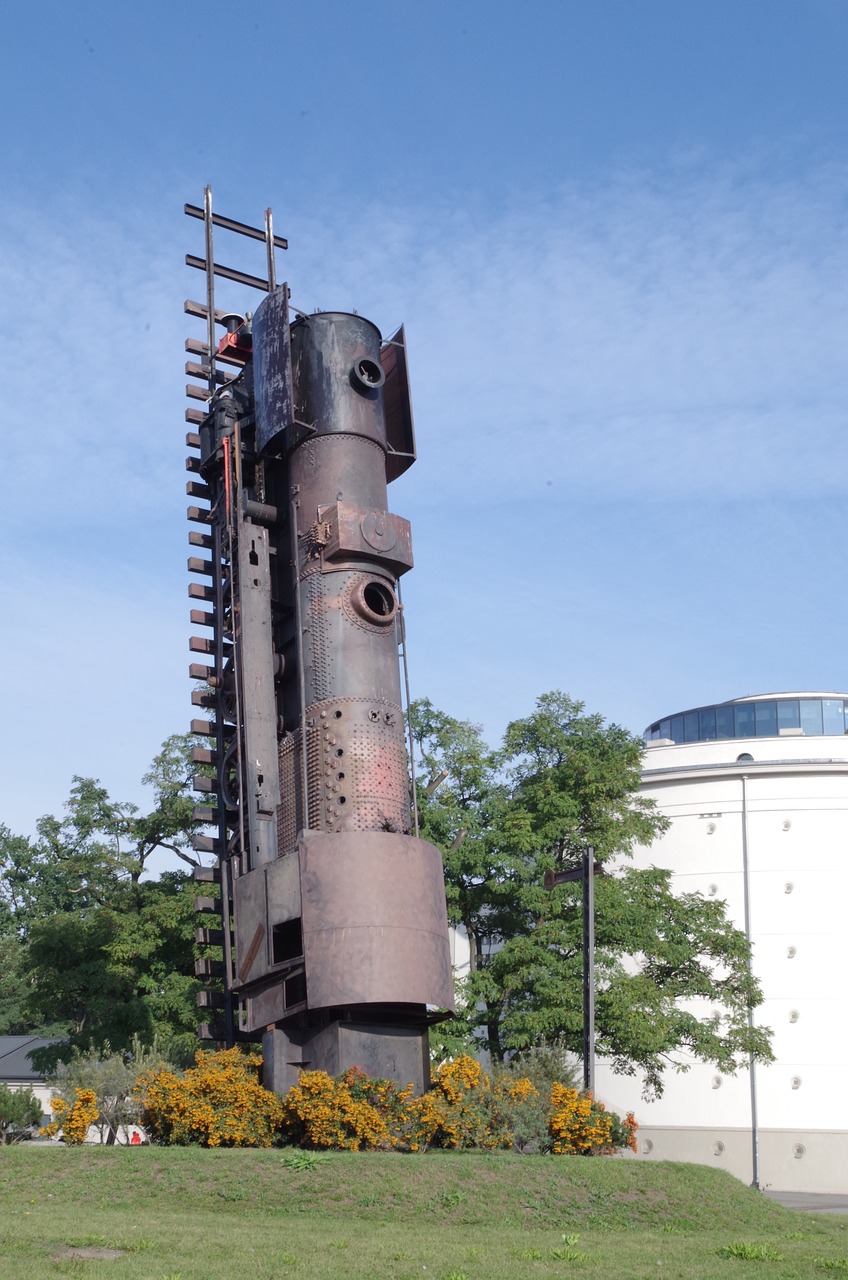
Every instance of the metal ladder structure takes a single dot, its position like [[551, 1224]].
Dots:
[[218, 363]]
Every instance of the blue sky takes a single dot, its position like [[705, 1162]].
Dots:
[[617, 234]]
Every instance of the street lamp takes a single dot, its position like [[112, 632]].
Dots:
[[586, 873]]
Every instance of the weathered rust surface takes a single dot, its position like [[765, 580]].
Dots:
[[340, 951], [373, 920]]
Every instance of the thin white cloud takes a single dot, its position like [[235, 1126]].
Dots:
[[647, 340], [626, 337]]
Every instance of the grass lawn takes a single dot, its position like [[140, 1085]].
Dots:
[[174, 1214]]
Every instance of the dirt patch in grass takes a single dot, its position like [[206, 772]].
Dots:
[[89, 1253]]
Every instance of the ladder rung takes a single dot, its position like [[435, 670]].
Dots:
[[200, 515], [201, 699], [230, 224], [209, 968], [195, 348], [205, 905], [192, 464], [205, 844], [196, 539], [212, 1033], [196, 671], [198, 591], [197, 565], [196, 490], [228, 273], [201, 783], [195, 416], [192, 440], [202, 371], [207, 875], [200, 618], [205, 813], [201, 644], [203, 728], [209, 937], [197, 393], [203, 755], [200, 311], [210, 999]]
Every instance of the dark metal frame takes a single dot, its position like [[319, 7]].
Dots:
[[585, 873]]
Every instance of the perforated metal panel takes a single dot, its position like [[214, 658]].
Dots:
[[289, 820], [321, 675], [290, 815], [381, 798], [359, 777]]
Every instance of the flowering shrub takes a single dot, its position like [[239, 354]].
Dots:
[[74, 1120], [356, 1112], [581, 1126], [468, 1111], [320, 1111], [353, 1112], [219, 1102]]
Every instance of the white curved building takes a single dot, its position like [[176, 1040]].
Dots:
[[757, 793]]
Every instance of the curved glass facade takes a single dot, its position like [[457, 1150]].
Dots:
[[757, 718]]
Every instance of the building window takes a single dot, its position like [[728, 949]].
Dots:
[[760, 718]]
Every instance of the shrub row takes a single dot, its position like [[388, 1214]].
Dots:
[[220, 1102]]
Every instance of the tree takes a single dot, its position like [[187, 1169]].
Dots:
[[100, 952], [111, 1077], [564, 780], [20, 1114]]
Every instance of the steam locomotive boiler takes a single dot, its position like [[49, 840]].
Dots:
[[332, 910]]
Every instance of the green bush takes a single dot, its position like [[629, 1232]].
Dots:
[[112, 1078], [529, 1110], [20, 1114]]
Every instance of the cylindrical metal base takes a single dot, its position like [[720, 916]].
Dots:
[[389, 1052]]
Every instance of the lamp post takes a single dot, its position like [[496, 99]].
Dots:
[[586, 873]]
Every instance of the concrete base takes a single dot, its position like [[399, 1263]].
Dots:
[[811, 1161], [391, 1052]]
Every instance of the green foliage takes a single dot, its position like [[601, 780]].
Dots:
[[750, 1252], [13, 982], [94, 951], [530, 1112], [564, 780], [20, 1114], [455, 1035], [304, 1161], [112, 1077]]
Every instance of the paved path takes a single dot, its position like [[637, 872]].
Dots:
[[811, 1201]]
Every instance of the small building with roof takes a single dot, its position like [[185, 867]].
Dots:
[[17, 1071]]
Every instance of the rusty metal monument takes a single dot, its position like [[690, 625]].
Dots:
[[331, 910]]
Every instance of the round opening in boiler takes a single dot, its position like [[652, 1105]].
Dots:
[[368, 374], [379, 598], [375, 602]]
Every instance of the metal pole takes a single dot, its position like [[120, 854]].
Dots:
[[752, 1066], [401, 618], [589, 969]]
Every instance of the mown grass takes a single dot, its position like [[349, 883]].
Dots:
[[176, 1214]]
